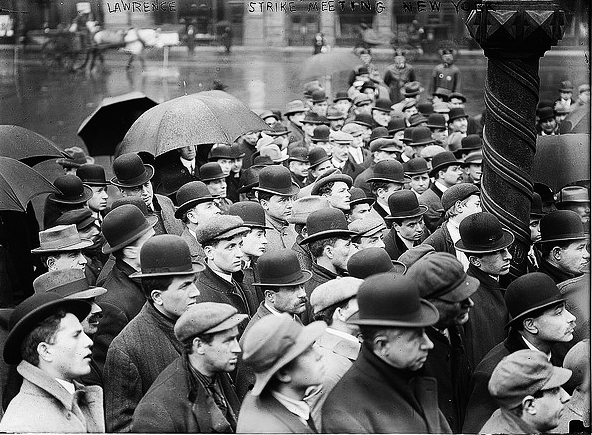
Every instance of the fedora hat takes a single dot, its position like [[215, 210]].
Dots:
[[249, 178], [416, 166], [124, 225], [383, 105], [61, 238], [482, 233], [318, 96], [273, 342], [436, 121], [130, 171], [333, 114], [411, 89], [81, 217], [76, 158], [403, 204], [276, 180], [166, 255], [273, 152], [421, 136], [68, 283], [530, 293], [396, 124], [561, 225], [442, 92], [455, 113], [358, 196], [311, 86], [304, 206], [206, 318], [220, 151], [566, 86], [191, 194], [326, 223], [72, 191], [211, 171], [278, 129], [471, 142], [92, 175], [341, 95], [572, 194], [30, 312], [251, 212], [425, 108], [316, 156], [536, 206], [280, 268], [364, 120], [321, 134], [390, 299], [331, 177], [417, 119], [224, 226], [458, 192], [389, 171], [441, 161], [373, 261]]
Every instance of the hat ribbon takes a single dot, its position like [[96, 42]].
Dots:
[[167, 269]]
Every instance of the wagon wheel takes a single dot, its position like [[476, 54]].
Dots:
[[50, 54]]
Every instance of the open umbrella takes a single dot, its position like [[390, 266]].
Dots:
[[19, 183], [561, 160], [27, 146], [196, 119], [108, 124], [326, 64]]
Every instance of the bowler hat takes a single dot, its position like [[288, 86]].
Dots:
[[368, 84], [469, 143], [455, 113], [545, 113], [442, 92], [304, 206], [395, 124], [313, 118], [363, 119], [403, 204], [333, 113], [458, 192], [416, 166], [28, 314], [273, 342], [236, 152], [389, 171], [406, 139], [358, 196], [191, 194], [373, 261], [392, 300], [296, 106], [566, 86], [92, 175], [536, 206], [321, 134], [442, 276], [332, 177], [316, 156], [473, 158], [572, 194], [417, 119], [76, 158], [367, 226], [72, 191], [81, 217], [211, 171], [249, 178], [411, 89], [68, 283], [441, 107], [482, 233], [382, 105], [458, 96], [223, 227], [250, 212], [545, 191], [298, 154], [220, 151], [335, 291], [130, 171], [524, 373], [318, 96], [421, 136], [280, 268], [206, 318], [276, 180], [124, 225], [60, 238], [378, 133], [341, 95], [362, 100], [561, 225], [436, 121], [166, 255], [425, 108], [441, 161], [311, 86], [326, 223], [133, 200], [530, 293]]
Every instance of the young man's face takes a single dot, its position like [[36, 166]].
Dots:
[[221, 354], [225, 165], [548, 125], [555, 325], [496, 263], [308, 128], [270, 120], [336, 124], [237, 165], [439, 134], [408, 112], [535, 229], [582, 209], [98, 202], [202, 212], [447, 58], [574, 258], [410, 229], [321, 168], [91, 232], [474, 170], [549, 409], [341, 251], [566, 95], [320, 108], [226, 255], [188, 152], [453, 313], [456, 102], [90, 324], [359, 211], [374, 241], [343, 105], [358, 141], [278, 207], [297, 118], [340, 196], [217, 187], [437, 99], [459, 124], [341, 151], [143, 191], [289, 299], [420, 183], [364, 108], [254, 242], [175, 299], [407, 348], [66, 260], [471, 206], [452, 175]]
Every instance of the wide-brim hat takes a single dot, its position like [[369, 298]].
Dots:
[[443, 160], [114, 225], [77, 158], [72, 190], [68, 283], [412, 89], [61, 238], [403, 204], [280, 268], [276, 180], [322, 224], [296, 106], [573, 194], [130, 171], [482, 233], [455, 113], [29, 313]]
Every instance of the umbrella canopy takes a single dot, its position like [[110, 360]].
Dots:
[[19, 183], [326, 64], [196, 119], [105, 128], [27, 146], [561, 160]]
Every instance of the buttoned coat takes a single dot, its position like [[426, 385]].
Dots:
[[431, 198], [43, 405], [281, 236], [172, 406]]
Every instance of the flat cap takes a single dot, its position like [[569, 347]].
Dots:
[[366, 227], [304, 206], [206, 318], [223, 227], [353, 129], [458, 192], [334, 292], [341, 137]]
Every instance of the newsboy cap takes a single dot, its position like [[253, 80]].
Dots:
[[206, 318], [334, 292], [304, 206], [367, 226], [458, 192], [223, 227]]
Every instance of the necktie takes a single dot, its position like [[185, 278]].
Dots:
[[311, 424]]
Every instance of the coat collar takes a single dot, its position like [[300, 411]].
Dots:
[[346, 348], [280, 412], [556, 274], [323, 272], [485, 279]]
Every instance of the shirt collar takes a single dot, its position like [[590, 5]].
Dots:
[[297, 407], [69, 386], [192, 233], [224, 276], [532, 347], [187, 163], [440, 186], [343, 335], [274, 311]]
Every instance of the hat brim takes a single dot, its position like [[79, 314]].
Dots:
[[294, 189], [427, 316], [442, 127], [12, 347], [87, 194], [148, 174], [388, 180], [107, 248], [326, 234], [92, 292], [414, 173], [84, 243], [229, 323], [324, 159], [96, 183], [457, 117], [306, 275], [559, 376], [582, 236], [459, 152], [246, 187], [195, 268], [435, 169], [418, 144], [421, 210], [463, 291], [506, 240], [308, 335], [190, 204], [524, 314], [69, 163], [335, 178], [293, 112], [369, 201]]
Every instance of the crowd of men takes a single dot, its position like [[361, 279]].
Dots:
[[334, 273]]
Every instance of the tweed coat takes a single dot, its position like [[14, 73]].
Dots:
[[503, 421], [264, 414], [195, 249], [441, 240], [281, 236], [431, 198], [387, 400], [554, 273], [172, 406], [171, 224], [43, 405], [145, 347]]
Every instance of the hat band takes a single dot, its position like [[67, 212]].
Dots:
[[167, 269], [70, 288], [61, 243], [284, 279]]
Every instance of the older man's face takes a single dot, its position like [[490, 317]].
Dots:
[[407, 348], [453, 313], [574, 258], [549, 409]]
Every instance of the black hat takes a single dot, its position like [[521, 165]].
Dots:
[[236, 152], [482, 233], [81, 217], [383, 105], [251, 212], [536, 206], [321, 133], [130, 171], [378, 132], [417, 119], [458, 95], [341, 95], [277, 180], [358, 196], [421, 136], [545, 113], [314, 118], [249, 178], [191, 194], [403, 204], [210, 172], [442, 92], [124, 225], [92, 175], [416, 166], [425, 108], [566, 86], [389, 171], [471, 142], [406, 139], [456, 112], [280, 268], [561, 225], [372, 261], [318, 96], [443, 160], [72, 191], [396, 124], [316, 156], [437, 120], [298, 154], [220, 151], [364, 119], [411, 89], [326, 223]]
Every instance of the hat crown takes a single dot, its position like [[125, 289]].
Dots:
[[199, 318], [456, 112], [383, 104], [272, 151], [421, 135], [76, 155], [220, 151], [436, 120], [458, 192], [368, 262], [122, 223], [416, 165], [192, 191], [299, 154], [390, 170], [77, 216], [70, 186], [211, 171], [279, 267], [378, 132], [396, 124], [63, 282], [356, 194], [316, 156], [529, 292], [437, 274], [402, 202], [249, 178], [275, 179], [128, 167], [91, 174], [250, 212], [425, 108], [536, 204], [321, 132], [480, 230], [416, 119], [304, 206], [133, 200], [446, 157], [341, 95], [329, 219], [471, 141], [364, 119], [318, 95], [59, 237], [573, 194], [165, 253], [29, 304], [222, 227], [561, 225]]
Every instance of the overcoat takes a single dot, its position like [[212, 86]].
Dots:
[[281, 236], [503, 421], [431, 198], [305, 258], [441, 240], [171, 224], [361, 181], [320, 275], [394, 245], [195, 249]]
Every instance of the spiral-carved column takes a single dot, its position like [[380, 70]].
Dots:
[[514, 35]]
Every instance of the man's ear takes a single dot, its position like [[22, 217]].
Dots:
[[530, 325], [283, 376], [528, 405], [474, 261], [155, 295], [209, 251], [328, 251], [44, 352]]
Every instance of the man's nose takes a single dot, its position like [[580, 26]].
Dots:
[[82, 259], [193, 291], [565, 397]]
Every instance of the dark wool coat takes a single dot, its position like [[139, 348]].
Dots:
[[264, 414], [487, 320], [172, 406], [351, 168], [556, 275], [174, 175], [361, 180], [145, 347], [320, 275], [431, 198], [393, 244], [171, 224], [305, 258], [441, 240], [232, 185], [386, 400], [481, 405]]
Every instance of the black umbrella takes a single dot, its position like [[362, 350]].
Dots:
[[106, 127], [27, 146]]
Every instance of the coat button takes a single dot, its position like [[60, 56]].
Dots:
[[69, 415]]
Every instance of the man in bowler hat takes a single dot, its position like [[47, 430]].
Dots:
[[73, 194], [195, 394], [539, 321], [406, 218], [392, 319], [147, 344], [302, 208], [388, 177], [52, 351], [94, 177]]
